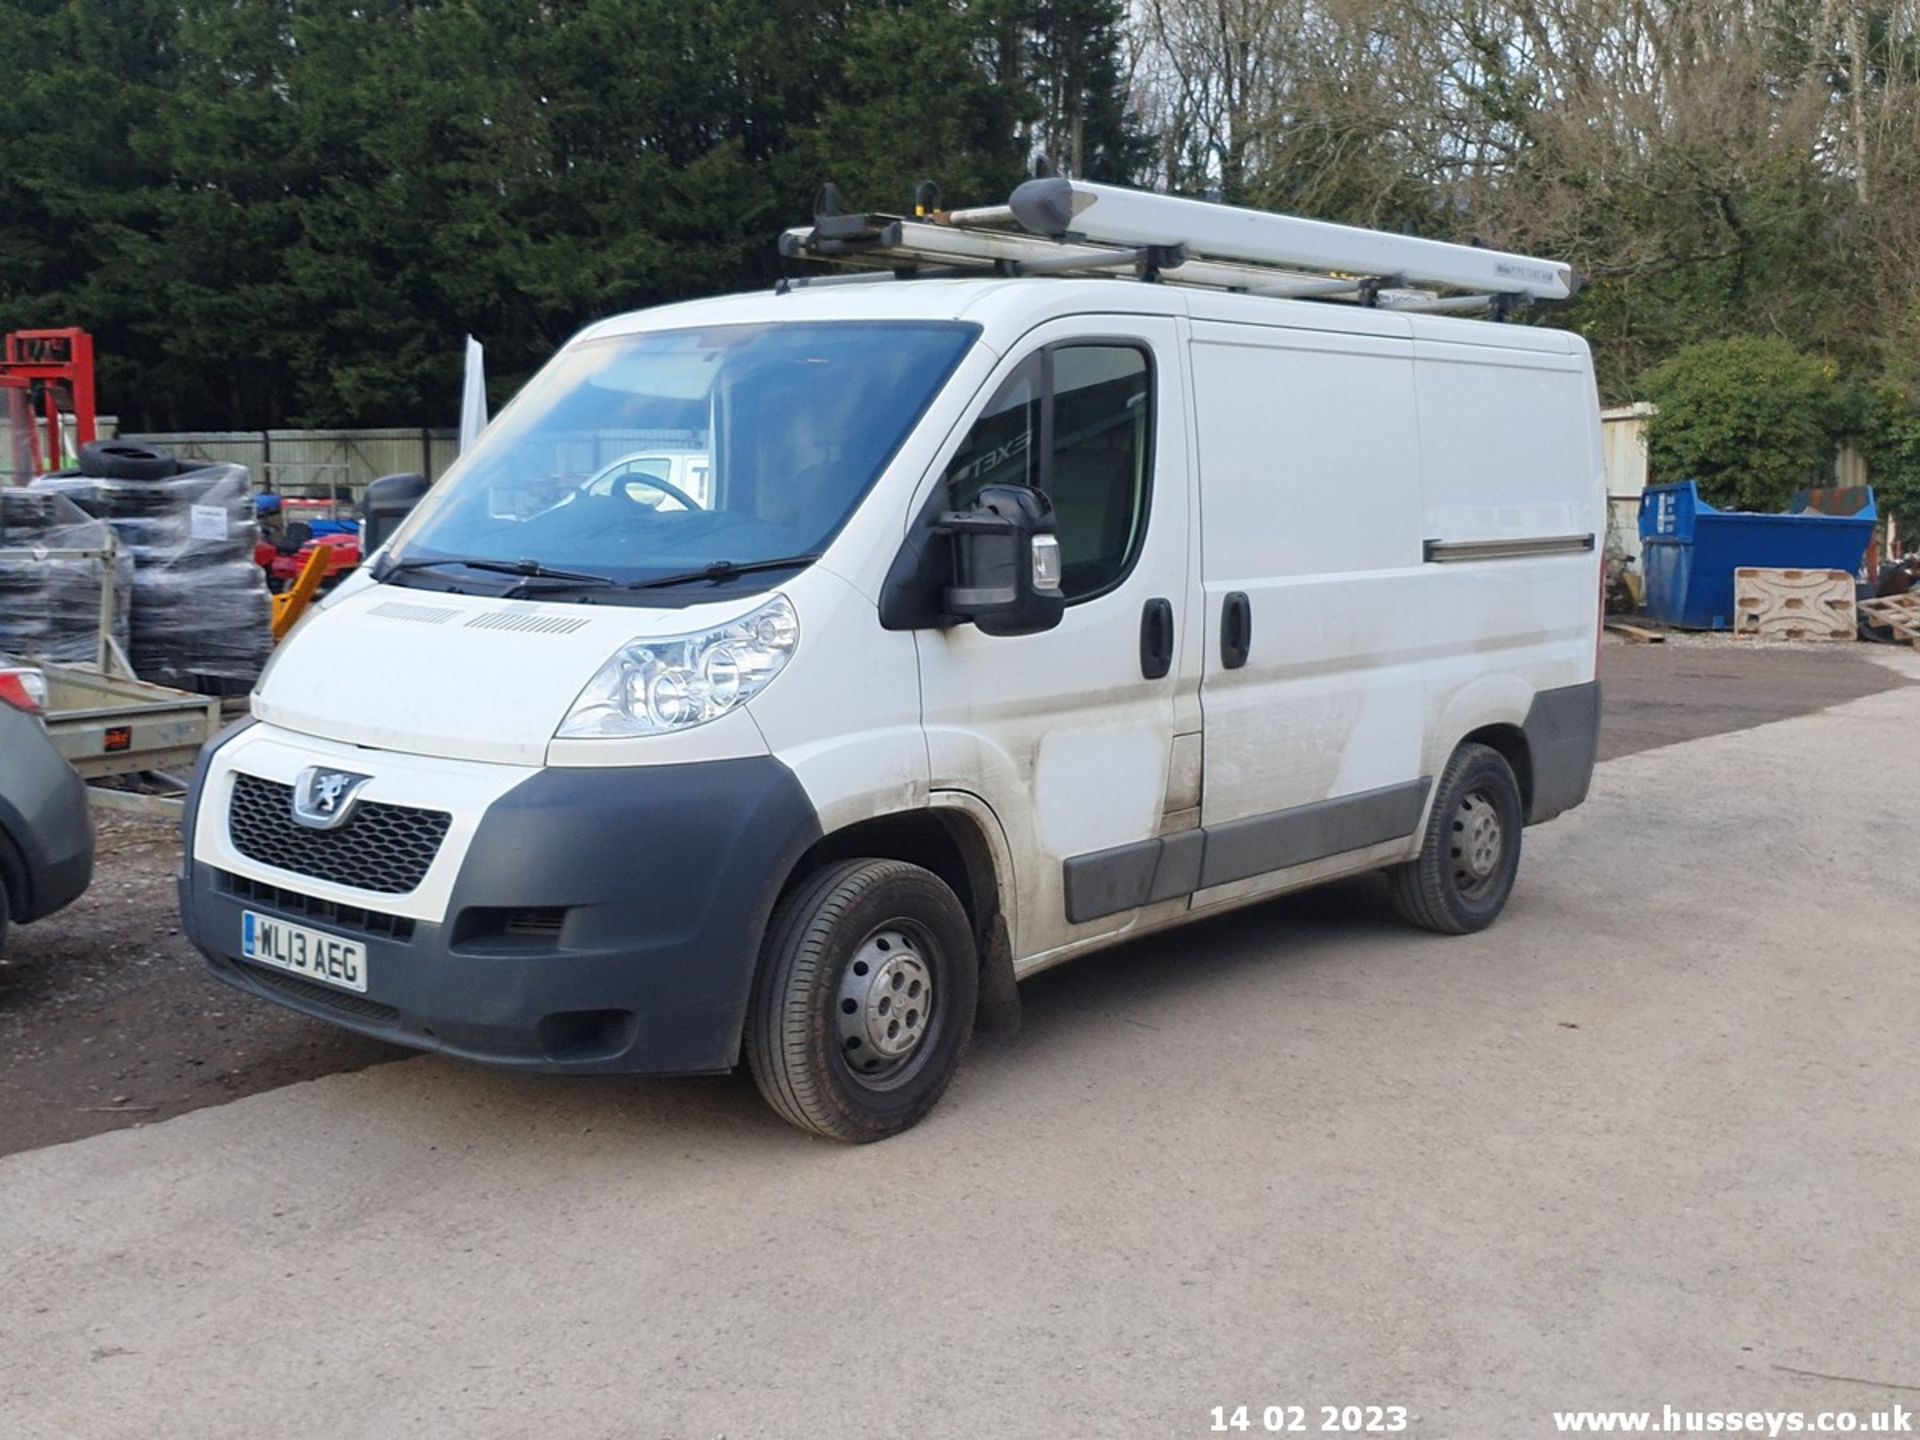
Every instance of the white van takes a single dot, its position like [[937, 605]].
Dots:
[[1011, 618]]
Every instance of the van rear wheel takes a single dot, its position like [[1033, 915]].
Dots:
[[864, 1000], [1471, 852]]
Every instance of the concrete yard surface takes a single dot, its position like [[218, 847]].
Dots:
[[1649, 1140]]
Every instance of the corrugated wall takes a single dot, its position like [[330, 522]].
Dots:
[[1623, 443], [311, 462]]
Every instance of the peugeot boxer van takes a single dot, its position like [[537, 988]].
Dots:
[[1009, 618]]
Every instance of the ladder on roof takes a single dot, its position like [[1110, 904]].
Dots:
[[1057, 226]]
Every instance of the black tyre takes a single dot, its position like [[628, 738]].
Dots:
[[25, 513], [6, 911], [1465, 869], [124, 460], [864, 1000]]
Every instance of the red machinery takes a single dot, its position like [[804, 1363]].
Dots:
[[45, 374], [283, 564]]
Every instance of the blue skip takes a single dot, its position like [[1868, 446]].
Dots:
[[1690, 549]]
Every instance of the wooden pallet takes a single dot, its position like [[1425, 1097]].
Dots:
[[1898, 613], [1793, 604], [1639, 634]]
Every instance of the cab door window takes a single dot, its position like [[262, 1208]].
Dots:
[[1003, 448], [1074, 421]]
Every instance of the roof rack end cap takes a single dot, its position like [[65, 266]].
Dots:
[[1044, 206]]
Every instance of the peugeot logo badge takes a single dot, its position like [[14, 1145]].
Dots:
[[323, 798]]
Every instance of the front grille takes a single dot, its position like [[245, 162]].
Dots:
[[383, 848], [320, 997], [311, 907]]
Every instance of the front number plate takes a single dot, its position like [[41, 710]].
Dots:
[[310, 953]]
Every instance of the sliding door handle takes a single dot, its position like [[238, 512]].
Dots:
[[1156, 639], [1236, 630]]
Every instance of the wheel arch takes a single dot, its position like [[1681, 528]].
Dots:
[[1510, 741], [16, 890], [1549, 736], [1491, 709], [953, 840]]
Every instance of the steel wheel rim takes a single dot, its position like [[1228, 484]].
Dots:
[[1476, 845], [885, 1008]]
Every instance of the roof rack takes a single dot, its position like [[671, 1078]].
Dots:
[[1057, 226]]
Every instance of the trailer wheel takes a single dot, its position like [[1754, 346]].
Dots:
[[864, 1000], [124, 460], [1467, 862]]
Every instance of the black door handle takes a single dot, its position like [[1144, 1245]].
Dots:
[[1236, 630], [1156, 639]]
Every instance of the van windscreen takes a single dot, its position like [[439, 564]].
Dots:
[[644, 457]]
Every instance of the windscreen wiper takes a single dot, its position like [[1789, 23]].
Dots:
[[525, 569], [724, 570]]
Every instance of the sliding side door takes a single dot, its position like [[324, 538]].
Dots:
[[1312, 692]]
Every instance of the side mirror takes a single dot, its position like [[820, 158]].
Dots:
[[386, 503], [1006, 562]]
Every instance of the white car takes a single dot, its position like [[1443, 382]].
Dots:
[[678, 479], [1010, 618]]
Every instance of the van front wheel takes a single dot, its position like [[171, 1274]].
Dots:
[[864, 999], [1471, 852]]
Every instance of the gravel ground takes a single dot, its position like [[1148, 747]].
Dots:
[[1699, 685], [108, 1021]]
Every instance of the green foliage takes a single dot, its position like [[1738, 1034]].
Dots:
[[272, 212], [1072, 66], [1889, 437], [1758, 257], [1751, 420], [932, 91]]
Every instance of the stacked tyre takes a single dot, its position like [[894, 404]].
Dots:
[[201, 613], [25, 623], [49, 605]]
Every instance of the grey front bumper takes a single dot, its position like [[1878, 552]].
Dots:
[[655, 884]]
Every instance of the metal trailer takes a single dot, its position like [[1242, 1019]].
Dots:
[[115, 725]]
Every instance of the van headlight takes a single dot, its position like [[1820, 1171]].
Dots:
[[653, 686]]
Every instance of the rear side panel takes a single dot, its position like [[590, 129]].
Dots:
[[1514, 515], [1411, 513]]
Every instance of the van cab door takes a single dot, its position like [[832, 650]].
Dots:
[[1068, 735]]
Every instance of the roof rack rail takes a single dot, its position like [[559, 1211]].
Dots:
[[1057, 226]]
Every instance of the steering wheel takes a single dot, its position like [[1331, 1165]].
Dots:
[[665, 487]]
